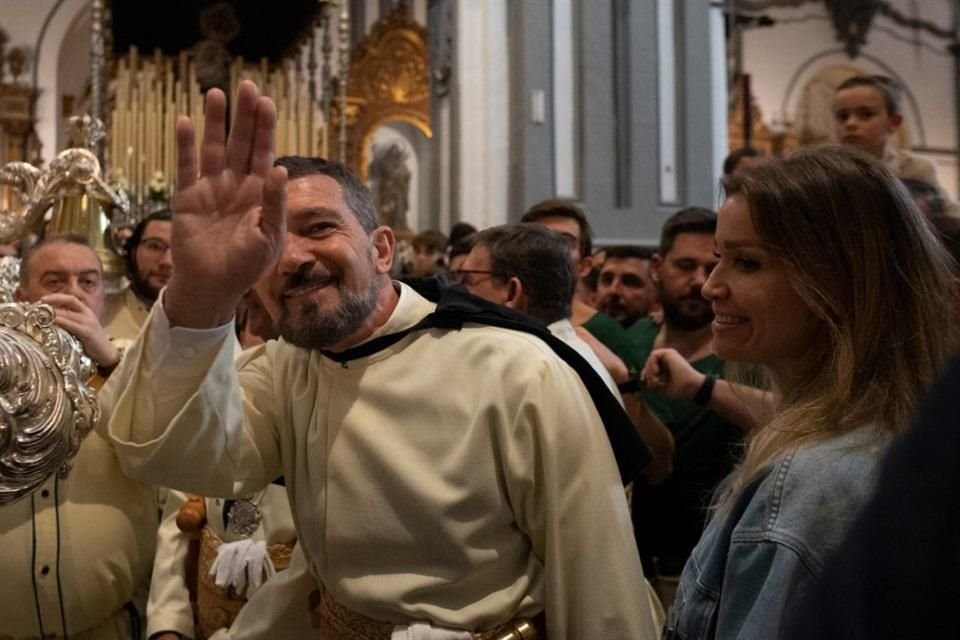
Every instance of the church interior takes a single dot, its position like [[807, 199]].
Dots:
[[624, 125], [629, 111]]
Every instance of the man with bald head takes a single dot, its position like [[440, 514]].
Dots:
[[526, 267], [65, 272]]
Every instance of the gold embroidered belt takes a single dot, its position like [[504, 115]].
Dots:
[[337, 622]]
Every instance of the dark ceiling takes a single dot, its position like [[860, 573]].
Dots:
[[266, 27]]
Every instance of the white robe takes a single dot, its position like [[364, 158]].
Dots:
[[457, 477], [75, 556], [564, 330]]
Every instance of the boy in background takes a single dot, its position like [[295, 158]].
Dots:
[[866, 111]]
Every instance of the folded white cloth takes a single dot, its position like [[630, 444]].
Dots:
[[244, 565], [426, 631]]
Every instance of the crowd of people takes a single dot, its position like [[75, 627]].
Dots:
[[311, 431]]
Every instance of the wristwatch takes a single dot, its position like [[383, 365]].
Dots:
[[705, 392]]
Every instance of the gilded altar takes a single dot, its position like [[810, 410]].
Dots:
[[389, 81]]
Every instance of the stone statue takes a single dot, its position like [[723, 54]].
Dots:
[[390, 185]]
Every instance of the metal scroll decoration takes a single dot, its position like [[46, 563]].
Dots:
[[24, 178], [46, 408], [9, 278], [75, 172]]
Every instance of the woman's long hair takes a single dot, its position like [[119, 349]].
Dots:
[[862, 257]]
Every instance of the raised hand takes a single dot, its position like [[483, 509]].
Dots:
[[77, 318], [229, 223]]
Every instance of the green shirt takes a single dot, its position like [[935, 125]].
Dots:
[[615, 337], [669, 517]]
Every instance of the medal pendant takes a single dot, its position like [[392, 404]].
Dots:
[[244, 518]]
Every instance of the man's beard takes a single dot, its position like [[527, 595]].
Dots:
[[317, 329], [614, 307], [143, 289], [689, 313]]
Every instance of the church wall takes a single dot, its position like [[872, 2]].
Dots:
[[53, 30], [73, 75], [479, 118], [531, 153], [781, 59], [22, 20], [546, 99], [644, 122], [42, 25]]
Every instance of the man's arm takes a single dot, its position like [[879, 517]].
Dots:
[[654, 433], [180, 419], [169, 614], [612, 362], [229, 225], [746, 407], [668, 373], [656, 436]]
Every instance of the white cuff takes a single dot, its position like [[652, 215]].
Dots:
[[182, 342]]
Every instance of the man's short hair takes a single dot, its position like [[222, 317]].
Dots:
[[627, 252], [430, 240], [540, 259], [689, 220], [130, 248], [730, 164], [459, 231], [356, 196], [563, 209], [890, 88], [66, 238], [463, 246]]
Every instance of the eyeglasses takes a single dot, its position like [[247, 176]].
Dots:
[[154, 246], [463, 276]]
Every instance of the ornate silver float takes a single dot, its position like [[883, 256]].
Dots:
[[46, 407]]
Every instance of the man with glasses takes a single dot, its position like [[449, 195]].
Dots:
[[526, 267], [149, 267], [600, 331]]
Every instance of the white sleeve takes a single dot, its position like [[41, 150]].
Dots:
[[180, 419]]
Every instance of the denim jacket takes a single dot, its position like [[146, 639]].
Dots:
[[755, 560]]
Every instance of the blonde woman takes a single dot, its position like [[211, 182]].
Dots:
[[828, 278]]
